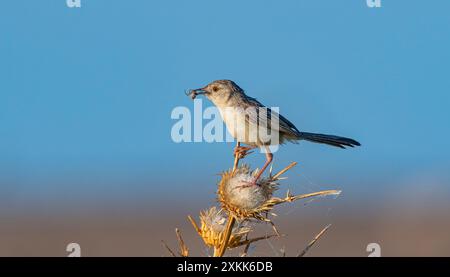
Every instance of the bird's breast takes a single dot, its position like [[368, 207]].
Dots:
[[245, 130], [235, 122]]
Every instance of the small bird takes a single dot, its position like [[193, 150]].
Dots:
[[243, 117]]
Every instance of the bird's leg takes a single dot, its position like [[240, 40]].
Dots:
[[254, 182], [242, 151], [269, 159]]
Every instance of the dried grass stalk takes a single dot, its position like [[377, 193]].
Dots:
[[315, 239]]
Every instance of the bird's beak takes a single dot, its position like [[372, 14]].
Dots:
[[199, 91], [194, 92]]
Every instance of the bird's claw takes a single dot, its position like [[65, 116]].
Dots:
[[248, 184], [242, 151]]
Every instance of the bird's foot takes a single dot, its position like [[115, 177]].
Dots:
[[242, 151], [248, 184]]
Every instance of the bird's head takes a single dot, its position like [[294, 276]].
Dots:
[[219, 92]]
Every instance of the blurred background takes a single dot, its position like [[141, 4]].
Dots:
[[86, 96]]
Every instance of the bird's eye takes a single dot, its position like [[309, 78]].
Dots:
[[215, 88]]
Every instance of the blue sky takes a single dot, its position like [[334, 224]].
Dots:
[[86, 94]]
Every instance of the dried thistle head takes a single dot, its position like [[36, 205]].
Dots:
[[213, 225], [242, 200], [246, 202]]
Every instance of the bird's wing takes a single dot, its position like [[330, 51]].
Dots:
[[262, 117]]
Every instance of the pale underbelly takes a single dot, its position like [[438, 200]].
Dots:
[[246, 132]]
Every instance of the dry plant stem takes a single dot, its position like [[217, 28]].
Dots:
[[184, 251], [236, 158], [316, 238], [319, 193], [248, 242], [195, 225], [168, 249], [216, 252], [227, 234], [245, 252], [231, 219], [284, 170]]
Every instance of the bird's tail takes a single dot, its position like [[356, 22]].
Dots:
[[340, 142]]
